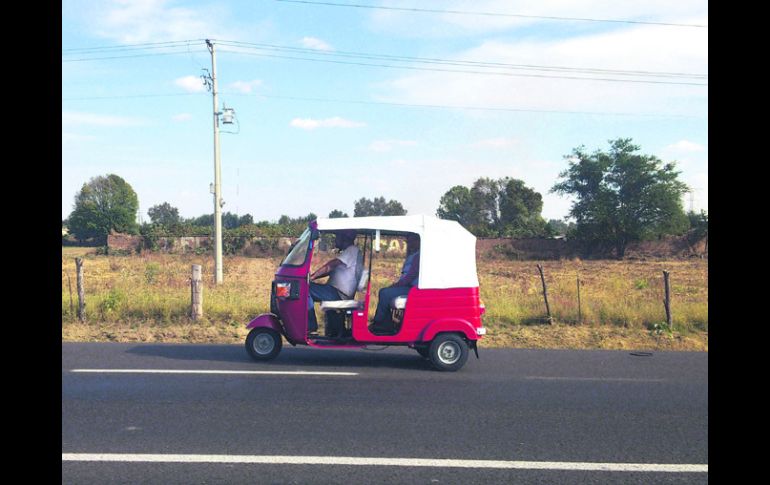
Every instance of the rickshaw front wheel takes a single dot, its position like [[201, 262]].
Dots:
[[263, 344], [448, 352]]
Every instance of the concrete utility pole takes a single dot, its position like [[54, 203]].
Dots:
[[217, 173]]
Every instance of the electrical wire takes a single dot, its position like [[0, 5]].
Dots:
[[462, 71], [145, 45], [386, 103], [397, 59], [486, 14], [429, 60]]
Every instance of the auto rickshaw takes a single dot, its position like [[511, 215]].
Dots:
[[440, 317]]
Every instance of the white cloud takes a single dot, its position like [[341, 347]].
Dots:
[[637, 48], [70, 118], [495, 143], [191, 84], [133, 21], [686, 146], [245, 87], [336, 122], [182, 117], [75, 137], [388, 145], [317, 44]]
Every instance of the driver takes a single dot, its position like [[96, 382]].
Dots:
[[342, 272]]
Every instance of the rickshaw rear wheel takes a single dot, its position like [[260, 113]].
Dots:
[[448, 352], [263, 344]]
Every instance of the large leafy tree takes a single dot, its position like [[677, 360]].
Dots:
[[106, 203], [164, 214], [457, 204], [622, 196], [378, 207], [520, 209], [503, 207]]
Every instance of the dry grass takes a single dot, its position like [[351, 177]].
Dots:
[[146, 298]]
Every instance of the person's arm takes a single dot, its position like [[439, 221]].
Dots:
[[326, 269]]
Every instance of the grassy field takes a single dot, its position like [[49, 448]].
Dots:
[[146, 299]]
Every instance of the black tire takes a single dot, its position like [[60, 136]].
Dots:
[[448, 352], [423, 351], [263, 344]]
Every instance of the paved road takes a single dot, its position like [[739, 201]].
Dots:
[[513, 406]]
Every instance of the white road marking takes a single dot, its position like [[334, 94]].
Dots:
[[367, 461], [192, 371], [592, 379]]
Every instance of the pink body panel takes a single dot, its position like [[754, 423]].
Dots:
[[267, 320], [427, 313]]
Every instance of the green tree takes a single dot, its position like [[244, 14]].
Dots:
[[245, 220], [503, 207], [520, 210], [335, 214], [699, 226], [457, 205], [378, 207], [106, 203], [622, 196], [206, 220], [561, 227], [164, 214]]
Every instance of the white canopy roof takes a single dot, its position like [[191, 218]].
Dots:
[[447, 249]]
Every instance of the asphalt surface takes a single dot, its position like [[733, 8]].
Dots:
[[512, 405]]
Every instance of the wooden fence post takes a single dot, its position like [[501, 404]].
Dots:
[[69, 285], [580, 315], [196, 291], [667, 301], [545, 294], [81, 290]]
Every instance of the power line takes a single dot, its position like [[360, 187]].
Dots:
[[145, 45], [433, 60], [124, 57], [129, 96], [393, 58], [487, 14], [386, 103], [497, 73]]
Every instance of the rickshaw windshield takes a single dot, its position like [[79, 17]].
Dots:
[[298, 252]]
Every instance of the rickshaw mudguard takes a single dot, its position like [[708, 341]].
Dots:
[[448, 325], [267, 320]]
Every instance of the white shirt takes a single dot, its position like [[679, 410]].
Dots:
[[343, 277]]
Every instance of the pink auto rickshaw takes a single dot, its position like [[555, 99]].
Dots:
[[441, 317]]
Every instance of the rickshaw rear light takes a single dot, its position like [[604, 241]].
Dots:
[[283, 290]]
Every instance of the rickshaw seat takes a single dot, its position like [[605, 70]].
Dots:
[[348, 304], [399, 302]]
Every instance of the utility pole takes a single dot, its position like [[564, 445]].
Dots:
[[217, 172]]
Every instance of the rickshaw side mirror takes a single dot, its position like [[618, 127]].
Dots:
[[377, 240]]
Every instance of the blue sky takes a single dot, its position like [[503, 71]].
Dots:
[[315, 135]]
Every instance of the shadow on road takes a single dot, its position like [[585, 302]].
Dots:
[[294, 357]]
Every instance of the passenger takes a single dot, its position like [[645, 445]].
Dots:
[[342, 272], [409, 277]]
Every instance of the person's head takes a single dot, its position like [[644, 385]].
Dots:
[[412, 243], [343, 239]]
